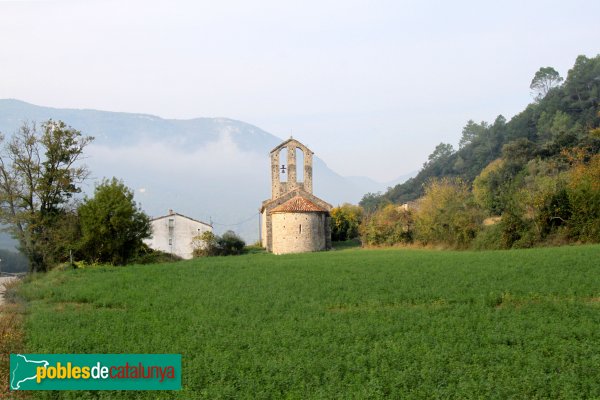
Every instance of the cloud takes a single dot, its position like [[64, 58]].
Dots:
[[221, 158], [216, 181]]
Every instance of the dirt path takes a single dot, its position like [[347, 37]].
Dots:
[[2, 281]]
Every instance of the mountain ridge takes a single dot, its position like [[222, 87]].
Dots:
[[203, 167]]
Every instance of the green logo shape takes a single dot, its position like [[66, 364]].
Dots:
[[95, 371]]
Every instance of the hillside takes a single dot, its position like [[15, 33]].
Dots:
[[560, 118], [212, 169]]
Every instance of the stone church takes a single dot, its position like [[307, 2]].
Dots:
[[294, 220]]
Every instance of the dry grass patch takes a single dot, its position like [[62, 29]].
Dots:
[[11, 340]]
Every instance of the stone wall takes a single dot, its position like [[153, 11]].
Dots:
[[268, 205], [279, 188], [298, 232]]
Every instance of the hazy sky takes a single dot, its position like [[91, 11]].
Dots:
[[370, 86]]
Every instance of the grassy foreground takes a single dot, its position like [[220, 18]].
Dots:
[[342, 324]]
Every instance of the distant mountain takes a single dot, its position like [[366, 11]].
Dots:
[[213, 169], [125, 129], [372, 186]]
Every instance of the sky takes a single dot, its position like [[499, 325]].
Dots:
[[370, 86]]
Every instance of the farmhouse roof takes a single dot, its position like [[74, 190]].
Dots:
[[172, 213], [298, 204]]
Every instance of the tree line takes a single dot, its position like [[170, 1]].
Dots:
[[534, 179], [562, 115]]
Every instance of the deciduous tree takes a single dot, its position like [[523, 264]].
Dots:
[[40, 171], [113, 226], [584, 197], [447, 214], [345, 221], [388, 226]]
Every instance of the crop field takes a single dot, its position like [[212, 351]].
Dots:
[[343, 324]]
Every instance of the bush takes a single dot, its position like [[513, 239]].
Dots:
[[527, 240], [447, 214], [146, 255], [548, 206], [389, 226], [488, 238], [512, 227], [583, 192], [208, 244], [488, 186], [345, 222], [231, 244]]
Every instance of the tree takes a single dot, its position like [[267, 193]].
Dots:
[[472, 131], [231, 244], [542, 198], [567, 116], [584, 197], [517, 153], [595, 132], [544, 80], [372, 201], [205, 244], [388, 226], [113, 227], [39, 174], [447, 214], [488, 186], [442, 152], [345, 221], [208, 244]]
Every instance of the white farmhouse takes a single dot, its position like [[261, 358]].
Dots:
[[173, 234]]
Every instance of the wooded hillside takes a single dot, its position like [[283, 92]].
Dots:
[[561, 117], [532, 180]]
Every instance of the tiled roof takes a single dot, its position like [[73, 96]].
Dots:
[[298, 204]]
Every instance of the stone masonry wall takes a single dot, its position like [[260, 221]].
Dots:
[[279, 188], [298, 232]]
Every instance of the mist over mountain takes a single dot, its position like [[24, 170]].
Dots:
[[213, 169]]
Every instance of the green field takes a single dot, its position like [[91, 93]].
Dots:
[[342, 324]]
